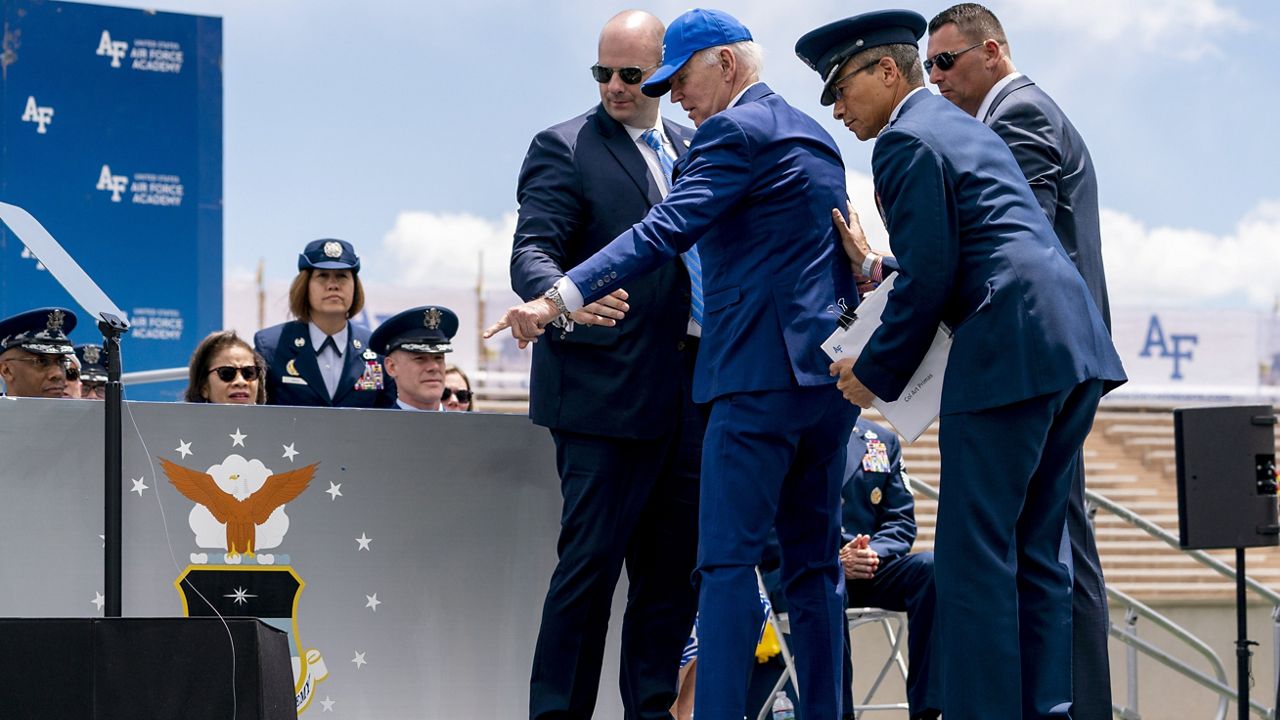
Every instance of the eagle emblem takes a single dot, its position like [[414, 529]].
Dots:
[[432, 318], [241, 510], [332, 249], [54, 324], [92, 354]]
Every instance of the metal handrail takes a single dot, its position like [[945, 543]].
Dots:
[[1218, 682], [1171, 540]]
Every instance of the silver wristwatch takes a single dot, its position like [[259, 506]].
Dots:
[[553, 294], [562, 320]]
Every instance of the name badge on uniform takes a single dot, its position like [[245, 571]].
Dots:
[[372, 377], [289, 380], [877, 457]]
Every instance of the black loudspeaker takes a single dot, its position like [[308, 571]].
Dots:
[[1226, 477], [144, 669]]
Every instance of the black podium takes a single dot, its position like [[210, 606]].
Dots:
[[144, 669]]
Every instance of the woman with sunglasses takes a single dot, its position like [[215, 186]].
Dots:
[[457, 391], [225, 370], [320, 359]]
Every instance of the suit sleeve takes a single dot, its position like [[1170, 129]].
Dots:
[[897, 530], [550, 215], [924, 234], [1031, 136], [716, 174]]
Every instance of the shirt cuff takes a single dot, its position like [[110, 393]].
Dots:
[[867, 262], [570, 293]]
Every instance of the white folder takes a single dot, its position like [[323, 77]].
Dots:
[[917, 407]]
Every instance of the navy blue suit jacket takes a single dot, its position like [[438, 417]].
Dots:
[[888, 516], [583, 182], [977, 253], [754, 192], [1056, 163], [305, 386]]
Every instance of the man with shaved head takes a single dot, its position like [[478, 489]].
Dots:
[[615, 396]]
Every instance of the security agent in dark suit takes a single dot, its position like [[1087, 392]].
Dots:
[[617, 399], [878, 528], [320, 359], [983, 82], [1030, 358]]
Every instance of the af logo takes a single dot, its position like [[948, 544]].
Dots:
[[1177, 347], [115, 49], [40, 115], [239, 515], [117, 184]]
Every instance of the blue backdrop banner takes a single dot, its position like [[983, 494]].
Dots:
[[111, 135]]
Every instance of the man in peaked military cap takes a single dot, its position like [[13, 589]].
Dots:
[[33, 352], [93, 372], [414, 343], [1029, 361]]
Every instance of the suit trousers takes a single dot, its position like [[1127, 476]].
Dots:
[[1004, 597], [903, 584], [771, 455], [626, 502], [1090, 618]]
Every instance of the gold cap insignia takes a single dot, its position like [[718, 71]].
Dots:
[[55, 321]]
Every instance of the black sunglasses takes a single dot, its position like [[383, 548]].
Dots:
[[226, 373], [944, 60], [73, 373], [464, 396], [629, 75]]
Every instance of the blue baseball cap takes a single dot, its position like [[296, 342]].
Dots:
[[828, 47], [695, 30], [329, 254], [43, 331], [426, 329]]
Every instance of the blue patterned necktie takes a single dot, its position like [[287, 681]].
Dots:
[[692, 262]]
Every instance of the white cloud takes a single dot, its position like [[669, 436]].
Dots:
[[444, 249], [1178, 27], [1163, 266]]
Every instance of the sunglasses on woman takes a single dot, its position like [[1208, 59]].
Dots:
[[464, 396], [227, 374], [629, 75]]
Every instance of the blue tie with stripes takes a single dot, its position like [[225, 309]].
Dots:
[[692, 262]]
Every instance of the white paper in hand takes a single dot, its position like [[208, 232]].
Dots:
[[917, 407]]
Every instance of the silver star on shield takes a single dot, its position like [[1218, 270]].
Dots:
[[240, 596], [359, 660]]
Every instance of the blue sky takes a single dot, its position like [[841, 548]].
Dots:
[[401, 126]]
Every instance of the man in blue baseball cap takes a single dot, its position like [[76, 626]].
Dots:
[[1029, 361], [414, 343], [753, 192], [34, 352]]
